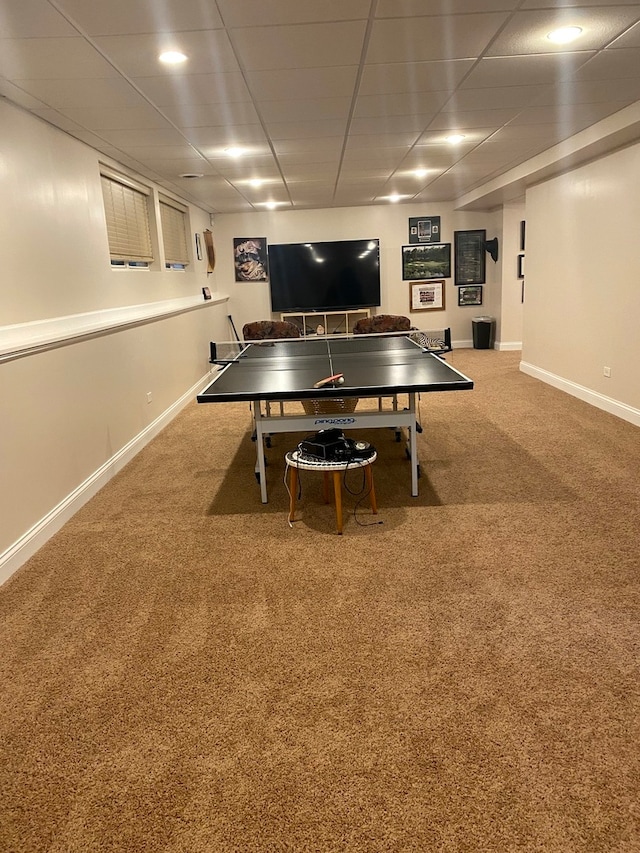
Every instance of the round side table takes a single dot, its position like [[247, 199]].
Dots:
[[295, 463]]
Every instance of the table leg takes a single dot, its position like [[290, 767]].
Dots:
[[261, 466], [337, 489], [413, 445], [325, 487], [293, 492], [372, 492]]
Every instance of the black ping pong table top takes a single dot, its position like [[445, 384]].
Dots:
[[288, 369]]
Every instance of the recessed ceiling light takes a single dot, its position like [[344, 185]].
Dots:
[[420, 173], [234, 151], [564, 35], [454, 138], [394, 198], [255, 182], [172, 57], [192, 175], [271, 205]]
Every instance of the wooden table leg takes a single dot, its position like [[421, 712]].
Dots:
[[372, 492], [337, 489], [293, 492]]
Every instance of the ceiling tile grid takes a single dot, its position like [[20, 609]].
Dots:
[[339, 103]]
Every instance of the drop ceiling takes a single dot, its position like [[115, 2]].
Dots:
[[334, 102]]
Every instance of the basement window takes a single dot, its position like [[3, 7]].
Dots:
[[126, 207], [173, 220]]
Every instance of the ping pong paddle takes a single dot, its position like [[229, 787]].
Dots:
[[337, 378]]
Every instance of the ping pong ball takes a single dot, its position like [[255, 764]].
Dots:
[[340, 380]]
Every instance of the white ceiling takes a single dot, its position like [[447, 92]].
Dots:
[[336, 102]]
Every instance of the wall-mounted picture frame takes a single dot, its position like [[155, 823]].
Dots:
[[523, 230], [198, 247], [424, 229], [520, 266], [250, 258], [431, 260], [470, 294], [426, 296], [470, 256]]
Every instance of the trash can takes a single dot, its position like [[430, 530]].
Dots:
[[484, 332]]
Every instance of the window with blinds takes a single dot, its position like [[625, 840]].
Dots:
[[173, 219], [126, 207]]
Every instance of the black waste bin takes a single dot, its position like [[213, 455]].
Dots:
[[484, 332]]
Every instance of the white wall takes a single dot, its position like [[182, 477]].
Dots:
[[582, 299], [389, 223], [71, 414]]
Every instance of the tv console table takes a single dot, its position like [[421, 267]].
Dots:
[[333, 322]]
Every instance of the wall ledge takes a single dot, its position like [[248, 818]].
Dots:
[[24, 339], [614, 407]]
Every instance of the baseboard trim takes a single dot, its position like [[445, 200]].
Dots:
[[607, 404], [30, 542]]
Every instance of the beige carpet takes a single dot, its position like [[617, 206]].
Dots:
[[183, 672]]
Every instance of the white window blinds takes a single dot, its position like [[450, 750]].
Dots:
[[127, 213], [173, 217]]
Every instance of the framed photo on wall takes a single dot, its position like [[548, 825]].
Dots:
[[424, 229], [470, 257], [470, 294], [431, 260], [426, 296], [250, 258]]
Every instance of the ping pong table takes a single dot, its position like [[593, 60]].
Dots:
[[298, 369]]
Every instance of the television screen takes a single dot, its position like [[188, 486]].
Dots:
[[324, 276]]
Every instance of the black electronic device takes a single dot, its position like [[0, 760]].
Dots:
[[324, 276], [330, 445]]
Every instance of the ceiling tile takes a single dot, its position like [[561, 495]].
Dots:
[[251, 13], [186, 90], [301, 46], [306, 129], [305, 110], [611, 63], [32, 19], [123, 118], [442, 37], [631, 38], [526, 32], [423, 104], [51, 58], [388, 78], [466, 120], [226, 114], [80, 92], [498, 98], [118, 17], [506, 71], [208, 52], [300, 83]]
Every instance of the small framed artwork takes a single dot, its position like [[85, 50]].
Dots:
[[198, 247], [522, 292], [520, 266], [424, 229], [431, 260], [470, 294], [206, 293], [250, 258], [523, 230], [428, 296]]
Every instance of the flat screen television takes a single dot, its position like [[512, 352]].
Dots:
[[324, 276]]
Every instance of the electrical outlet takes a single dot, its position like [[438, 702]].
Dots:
[[149, 396], [606, 371]]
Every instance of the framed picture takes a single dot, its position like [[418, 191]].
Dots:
[[250, 258], [470, 256], [470, 294], [198, 247], [427, 296], [432, 260], [520, 266], [523, 229], [424, 229]]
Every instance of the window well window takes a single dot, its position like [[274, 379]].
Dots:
[[173, 219], [126, 206]]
